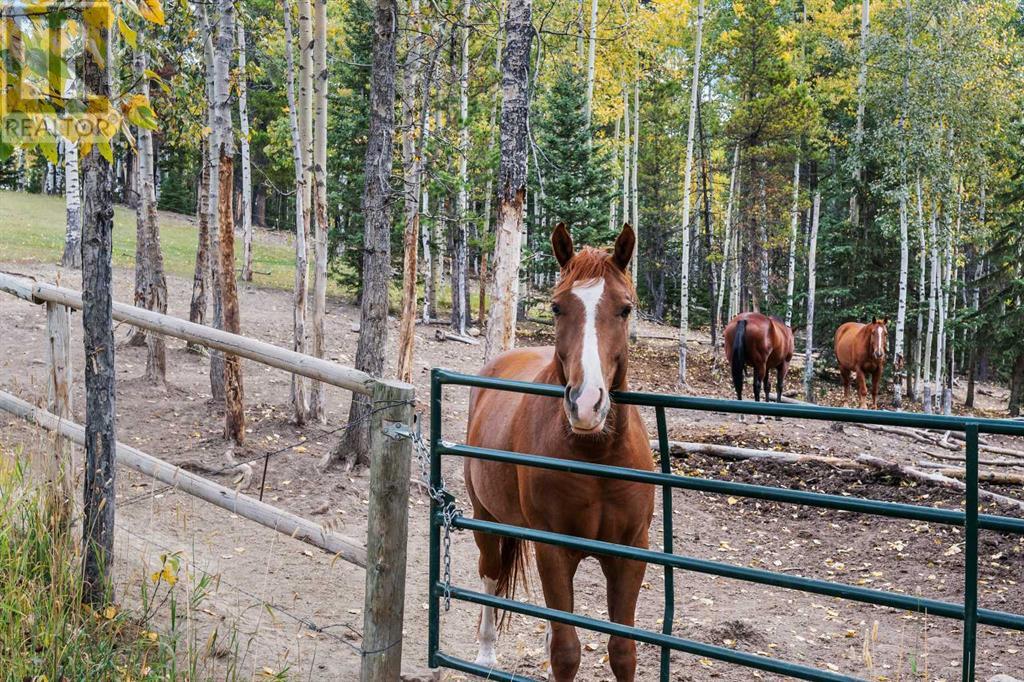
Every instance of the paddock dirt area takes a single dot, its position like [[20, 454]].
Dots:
[[296, 613]]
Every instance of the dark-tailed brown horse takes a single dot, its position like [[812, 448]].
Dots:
[[764, 343], [591, 303], [861, 350]]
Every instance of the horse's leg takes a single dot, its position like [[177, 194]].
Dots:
[[845, 375], [489, 567], [556, 568], [624, 578], [862, 388], [761, 380], [876, 380], [780, 373]]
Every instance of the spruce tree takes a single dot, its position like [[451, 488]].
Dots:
[[576, 170]]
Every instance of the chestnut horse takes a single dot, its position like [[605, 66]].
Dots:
[[591, 304], [861, 349], [762, 342]]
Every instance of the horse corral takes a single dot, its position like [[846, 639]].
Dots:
[[915, 557]]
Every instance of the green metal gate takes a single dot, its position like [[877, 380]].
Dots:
[[443, 517]]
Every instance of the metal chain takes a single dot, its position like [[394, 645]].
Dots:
[[444, 499]]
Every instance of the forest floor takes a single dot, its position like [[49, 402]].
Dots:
[[281, 609]]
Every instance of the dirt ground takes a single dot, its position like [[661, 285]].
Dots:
[[296, 613]]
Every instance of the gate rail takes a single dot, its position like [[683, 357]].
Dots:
[[970, 519]]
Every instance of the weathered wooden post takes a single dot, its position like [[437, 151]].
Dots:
[[387, 530], [57, 470]]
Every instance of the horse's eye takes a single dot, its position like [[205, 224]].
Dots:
[[555, 310], [626, 310]]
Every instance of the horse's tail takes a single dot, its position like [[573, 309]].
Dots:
[[739, 359], [512, 572]]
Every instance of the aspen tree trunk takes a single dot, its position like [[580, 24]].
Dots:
[[429, 297], [921, 293], [460, 291], [234, 411], [411, 191], [217, 91], [736, 285], [72, 257], [946, 302], [154, 283], [764, 275], [727, 238], [812, 276], [511, 177], [300, 408], [794, 222], [627, 148], [201, 273], [901, 310], [858, 135], [634, 321], [613, 209], [373, 317], [932, 299], [243, 120], [705, 188], [98, 335], [489, 192], [684, 276], [588, 109], [317, 407]]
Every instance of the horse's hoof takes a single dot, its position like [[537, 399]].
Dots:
[[488, 660], [761, 419]]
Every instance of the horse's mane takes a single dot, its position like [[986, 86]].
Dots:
[[588, 264]]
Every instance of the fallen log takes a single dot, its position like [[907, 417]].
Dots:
[[936, 479], [676, 447], [999, 477], [907, 433], [987, 462], [442, 335]]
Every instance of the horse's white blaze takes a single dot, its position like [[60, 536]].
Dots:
[[592, 391], [878, 336], [488, 632]]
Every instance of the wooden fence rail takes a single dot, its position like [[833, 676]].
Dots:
[[383, 557]]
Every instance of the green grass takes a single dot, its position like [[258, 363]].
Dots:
[[32, 229], [46, 633]]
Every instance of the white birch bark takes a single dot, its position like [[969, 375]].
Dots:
[[428, 265], [858, 135], [812, 277], [684, 277], [932, 300], [613, 209], [727, 240], [591, 62], [300, 407], [512, 177], [318, 206], [627, 145], [73, 200], [794, 222], [243, 121], [459, 308], [634, 201], [922, 287], [901, 310]]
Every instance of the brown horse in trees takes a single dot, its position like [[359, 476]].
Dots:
[[592, 304], [861, 349], [762, 342]]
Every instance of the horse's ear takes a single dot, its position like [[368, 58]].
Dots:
[[622, 255], [885, 321], [561, 244]]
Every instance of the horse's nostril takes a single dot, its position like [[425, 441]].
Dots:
[[600, 399], [568, 391]]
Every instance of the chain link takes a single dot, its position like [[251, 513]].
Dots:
[[444, 499]]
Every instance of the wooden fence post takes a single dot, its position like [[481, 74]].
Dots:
[[387, 531], [58, 469]]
